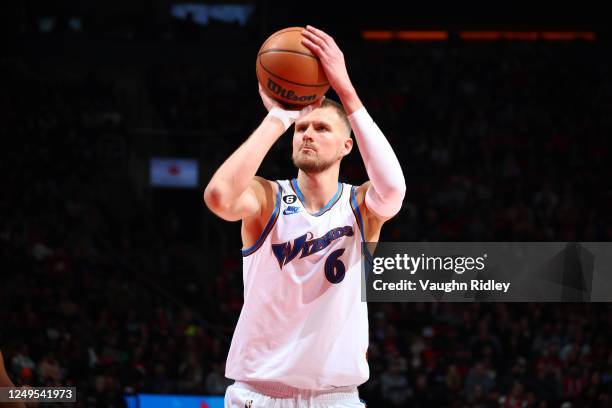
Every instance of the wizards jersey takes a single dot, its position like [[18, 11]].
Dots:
[[303, 323]]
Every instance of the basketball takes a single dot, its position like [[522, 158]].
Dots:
[[288, 71]]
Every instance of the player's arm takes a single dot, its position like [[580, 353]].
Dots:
[[5, 381], [384, 193], [234, 193]]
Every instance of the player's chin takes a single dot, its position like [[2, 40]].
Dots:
[[301, 157], [306, 163]]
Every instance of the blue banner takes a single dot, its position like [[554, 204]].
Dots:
[[174, 401]]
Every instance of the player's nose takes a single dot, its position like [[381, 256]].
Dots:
[[307, 135]]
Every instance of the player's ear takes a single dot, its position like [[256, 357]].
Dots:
[[348, 146]]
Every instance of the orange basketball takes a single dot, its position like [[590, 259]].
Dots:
[[288, 71]]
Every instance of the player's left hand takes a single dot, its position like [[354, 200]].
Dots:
[[325, 48], [268, 102]]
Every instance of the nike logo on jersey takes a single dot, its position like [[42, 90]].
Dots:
[[291, 210], [286, 253]]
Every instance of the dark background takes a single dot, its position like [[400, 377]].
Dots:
[[116, 287]]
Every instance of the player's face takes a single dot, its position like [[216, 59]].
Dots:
[[319, 141]]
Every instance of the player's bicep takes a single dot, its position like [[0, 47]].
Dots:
[[248, 205], [361, 197]]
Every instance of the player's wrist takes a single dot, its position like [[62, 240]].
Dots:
[[359, 118], [275, 123], [344, 88], [349, 98], [285, 117]]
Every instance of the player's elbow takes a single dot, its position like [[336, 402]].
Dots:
[[387, 202], [213, 197], [219, 202], [396, 192], [394, 198]]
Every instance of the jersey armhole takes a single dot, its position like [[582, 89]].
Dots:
[[357, 214], [268, 227]]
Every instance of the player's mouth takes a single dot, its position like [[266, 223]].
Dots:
[[308, 149]]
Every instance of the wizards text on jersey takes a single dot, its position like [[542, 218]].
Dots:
[[285, 253]]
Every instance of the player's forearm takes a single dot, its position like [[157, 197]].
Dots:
[[349, 98], [236, 173], [388, 188]]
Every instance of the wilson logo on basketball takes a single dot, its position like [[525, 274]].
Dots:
[[288, 94]]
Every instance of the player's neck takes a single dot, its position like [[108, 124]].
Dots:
[[318, 189]]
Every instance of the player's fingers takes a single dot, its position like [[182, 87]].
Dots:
[[316, 50], [328, 45], [261, 91], [267, 101], [316, 104], [320, 101], [315, 39], [320, 33]]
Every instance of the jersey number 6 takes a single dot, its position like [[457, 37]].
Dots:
[[334, 268]]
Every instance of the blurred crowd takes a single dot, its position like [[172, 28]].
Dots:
[[104, 291]]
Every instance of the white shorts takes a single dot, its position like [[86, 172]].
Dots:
[[274, 395]]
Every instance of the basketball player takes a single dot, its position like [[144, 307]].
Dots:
[[302, 335], [5, 381]]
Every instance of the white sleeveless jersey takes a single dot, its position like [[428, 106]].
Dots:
[[303, 322]]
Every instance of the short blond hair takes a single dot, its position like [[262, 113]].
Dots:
[[330, 103]]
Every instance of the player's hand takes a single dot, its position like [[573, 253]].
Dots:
[[268, 102], [284, 114], [325, 48]]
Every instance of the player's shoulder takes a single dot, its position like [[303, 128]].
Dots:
[[258, 180], [372, 218], [264, 185], [360, 191], [266, 191]]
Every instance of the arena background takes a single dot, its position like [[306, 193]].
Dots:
[[118, 287]]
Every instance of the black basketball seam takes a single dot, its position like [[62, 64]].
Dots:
[[275, 34], [288, 51], [286, 80]]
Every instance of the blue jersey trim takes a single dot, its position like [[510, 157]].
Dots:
[[359, 219], [357, 213], [267, 229], [326, 207], [297, 190]]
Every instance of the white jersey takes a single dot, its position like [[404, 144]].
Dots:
[[303, 323]]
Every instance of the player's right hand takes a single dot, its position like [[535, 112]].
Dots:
[[268, 102], [285, 115]]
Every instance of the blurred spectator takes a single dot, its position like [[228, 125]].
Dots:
[[394, 384], [479, 380], [216, 383]]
